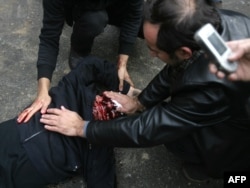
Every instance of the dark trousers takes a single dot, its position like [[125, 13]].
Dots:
[[184, 149], [99, 168], [16, 170], [89, 24]]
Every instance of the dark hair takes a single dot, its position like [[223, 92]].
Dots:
[[179, 20]]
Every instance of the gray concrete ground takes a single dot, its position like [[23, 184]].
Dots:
[[20, 22]]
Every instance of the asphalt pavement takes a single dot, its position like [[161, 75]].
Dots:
[[20, 23]]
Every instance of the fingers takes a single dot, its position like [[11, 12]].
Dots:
[[213, 69], [29, 112], [52, 115], [128, 79], [123, 75], [52, 128], [121, 85], [23, 114], [235, 56], [233, 77], [44, 109], [29, 115], [114, 95], [21, 117], [49, 119], [51, 122], [54, 111], [220, 74]]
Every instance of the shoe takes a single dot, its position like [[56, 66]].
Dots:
[[74, 59], [195, 173]]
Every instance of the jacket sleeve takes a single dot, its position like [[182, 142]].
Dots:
[[53, 21], [157, 90], [130, 26], [165, 122]]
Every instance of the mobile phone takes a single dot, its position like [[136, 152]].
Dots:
[[213, 44]]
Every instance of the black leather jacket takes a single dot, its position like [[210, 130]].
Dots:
[[208, 112]]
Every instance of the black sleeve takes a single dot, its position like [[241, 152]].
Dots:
[[157, 90], [53, 21], [164, 122], [130, 26]]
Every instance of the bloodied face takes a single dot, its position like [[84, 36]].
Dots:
[[104, 108]]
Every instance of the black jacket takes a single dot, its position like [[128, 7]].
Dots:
[[56, 12], [204, 110], [56, 156]]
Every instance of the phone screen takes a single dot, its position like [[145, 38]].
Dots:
[[218, 45]]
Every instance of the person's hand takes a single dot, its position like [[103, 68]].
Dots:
[[129, 105], [40, 103], [241, 54], [122, 71], [63, 121], [242, 73]]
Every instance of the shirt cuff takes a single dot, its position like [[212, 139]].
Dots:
[[85, 129]]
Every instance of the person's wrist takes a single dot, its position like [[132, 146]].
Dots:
[[140, 107], [122, 60], [43, 85]]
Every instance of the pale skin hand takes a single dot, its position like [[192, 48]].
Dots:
[[122, 70], [41, 102], [241, 54], [69, 123], [129, 105], [63, 121], [43, 99]]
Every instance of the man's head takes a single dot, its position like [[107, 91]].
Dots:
[[105, 109], [169, 27]]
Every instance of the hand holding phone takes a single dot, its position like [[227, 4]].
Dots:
[[210, 40]]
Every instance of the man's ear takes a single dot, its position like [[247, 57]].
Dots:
[[184, 53]]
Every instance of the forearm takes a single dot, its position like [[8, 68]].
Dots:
[[53, 21], [130, 26], [43, 86], [122, 60], [157, 90], [152, 127]]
